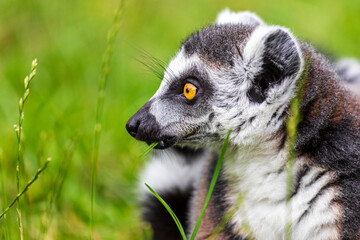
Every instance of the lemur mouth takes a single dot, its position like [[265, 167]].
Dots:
[[166, 142], [171, 140]]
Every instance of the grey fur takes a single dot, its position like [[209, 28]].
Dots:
[[218, 44]]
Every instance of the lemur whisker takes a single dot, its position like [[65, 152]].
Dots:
[[163, 65], [143, 58], [155, 65], [151, 68]]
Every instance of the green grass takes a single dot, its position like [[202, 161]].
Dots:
[[18, 130], [18, 196], [212, 185], [105, 68], [69, 38], [173, 215], [138, 159], [291, 128]]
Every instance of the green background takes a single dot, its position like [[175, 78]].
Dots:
[[68, 38]]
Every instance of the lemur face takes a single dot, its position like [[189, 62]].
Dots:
[[237, 74]]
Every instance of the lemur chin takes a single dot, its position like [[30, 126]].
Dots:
[[241, 74]]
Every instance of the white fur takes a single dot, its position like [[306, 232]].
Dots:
[[254, 173], [228, 17], [351, 68], [168, 170]]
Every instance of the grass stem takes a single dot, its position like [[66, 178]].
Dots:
[[100, 104], [147, 150], [18, 130], [40, 170]]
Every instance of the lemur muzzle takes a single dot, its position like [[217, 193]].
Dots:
[[143, 126]]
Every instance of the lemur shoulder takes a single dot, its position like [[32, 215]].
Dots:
[[241, 74]]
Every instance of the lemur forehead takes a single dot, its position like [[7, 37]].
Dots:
[[218, 44]]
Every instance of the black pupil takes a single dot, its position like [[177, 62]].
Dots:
[[187, 90]]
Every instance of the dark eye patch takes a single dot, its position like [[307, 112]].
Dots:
[[193, 75], [196, 76]]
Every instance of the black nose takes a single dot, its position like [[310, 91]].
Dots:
[[132, 126]]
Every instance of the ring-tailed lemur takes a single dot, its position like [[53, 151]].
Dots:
[[241, 74]]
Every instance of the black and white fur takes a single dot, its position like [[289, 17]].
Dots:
[[246, 74]]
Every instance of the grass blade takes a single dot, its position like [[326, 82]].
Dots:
[[291, 128], [147, 150], [173, 215], [212, 185]]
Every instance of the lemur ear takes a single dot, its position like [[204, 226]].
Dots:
[[273, 56], [228, 17]]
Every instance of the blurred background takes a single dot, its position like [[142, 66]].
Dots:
[[69, 38]]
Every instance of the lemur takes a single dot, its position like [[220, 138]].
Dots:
[[241, 74]]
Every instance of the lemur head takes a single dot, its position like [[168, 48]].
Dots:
[[237, 74]]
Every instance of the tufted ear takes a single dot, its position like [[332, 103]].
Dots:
[[273, 56], [228, 17]]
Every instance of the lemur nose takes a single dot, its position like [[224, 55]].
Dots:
[[132, 126], [144, 127]]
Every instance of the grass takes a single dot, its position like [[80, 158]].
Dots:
[[18, 130], [68, 38], [291, 127], [212, 185], [100, 106], [173, 215], [138, 159], [18, 196]]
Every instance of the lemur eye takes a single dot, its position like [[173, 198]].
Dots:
[[189, 91]]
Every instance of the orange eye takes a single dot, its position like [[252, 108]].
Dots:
[[189, 91]]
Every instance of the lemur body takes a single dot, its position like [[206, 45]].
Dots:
[[245, 74]]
